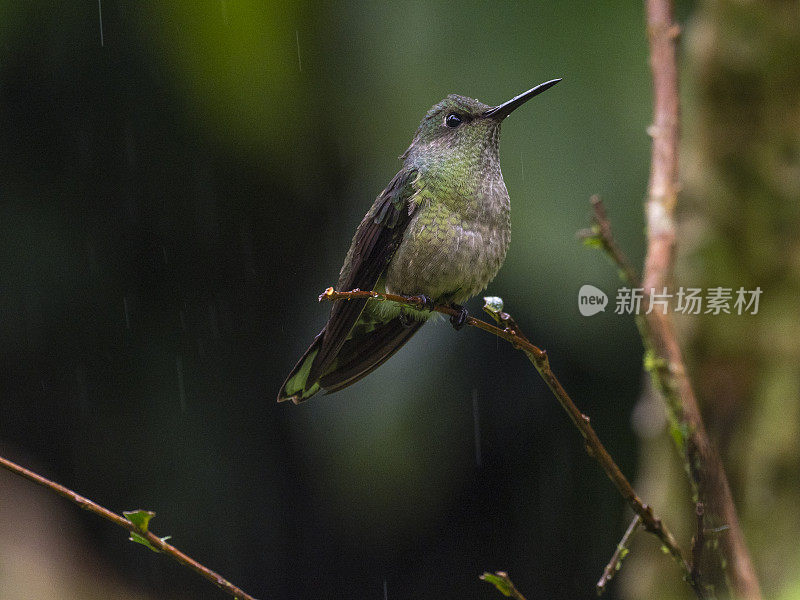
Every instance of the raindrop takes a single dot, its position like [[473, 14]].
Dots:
[[91, 257], [130, 145], [83, 388], [224, 7], [385, 590], [127, 312], [100, 15], [181, 386], [297, 36], [477, 428], [213, 321]]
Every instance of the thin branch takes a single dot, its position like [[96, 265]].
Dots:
[[707, 477], [158, 543], [616, 559], [601, 233], [594, 447]]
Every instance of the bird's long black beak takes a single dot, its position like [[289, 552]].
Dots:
[[505, 109]]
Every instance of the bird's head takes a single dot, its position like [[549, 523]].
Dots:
[[463, 129]]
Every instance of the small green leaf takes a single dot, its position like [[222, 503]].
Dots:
[[679, 433], [135, 537], [593, 241], [500, 581], [141, 518], [652, 362]]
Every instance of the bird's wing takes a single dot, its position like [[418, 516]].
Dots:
[[362, 354], [373, 245]]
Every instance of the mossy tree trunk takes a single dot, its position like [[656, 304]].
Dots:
[[740, 228]]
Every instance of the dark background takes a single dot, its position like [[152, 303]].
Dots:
[[174, 193]]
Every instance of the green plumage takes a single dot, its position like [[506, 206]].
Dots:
[[441, 229]]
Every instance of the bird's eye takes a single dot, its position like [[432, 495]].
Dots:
[[453, 120]]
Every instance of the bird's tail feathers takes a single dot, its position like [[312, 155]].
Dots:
[[296, 387], [360, 356], [369, 346]]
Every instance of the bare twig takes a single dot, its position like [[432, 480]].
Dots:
[[616, 559], [706, 475], [699, 540], [503, 583], [601, 232], [153, 540], [594, 447]]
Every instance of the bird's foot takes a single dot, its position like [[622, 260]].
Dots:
[[457, 321], [425, 302], [422, 302]]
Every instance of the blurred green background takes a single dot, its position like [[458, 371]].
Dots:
[[178, 182]]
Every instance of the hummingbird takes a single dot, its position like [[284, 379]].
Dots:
[[440, 231]]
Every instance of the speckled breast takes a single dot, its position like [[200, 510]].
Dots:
[[451, 255]]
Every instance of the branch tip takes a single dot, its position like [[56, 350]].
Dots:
[[615, 564]]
